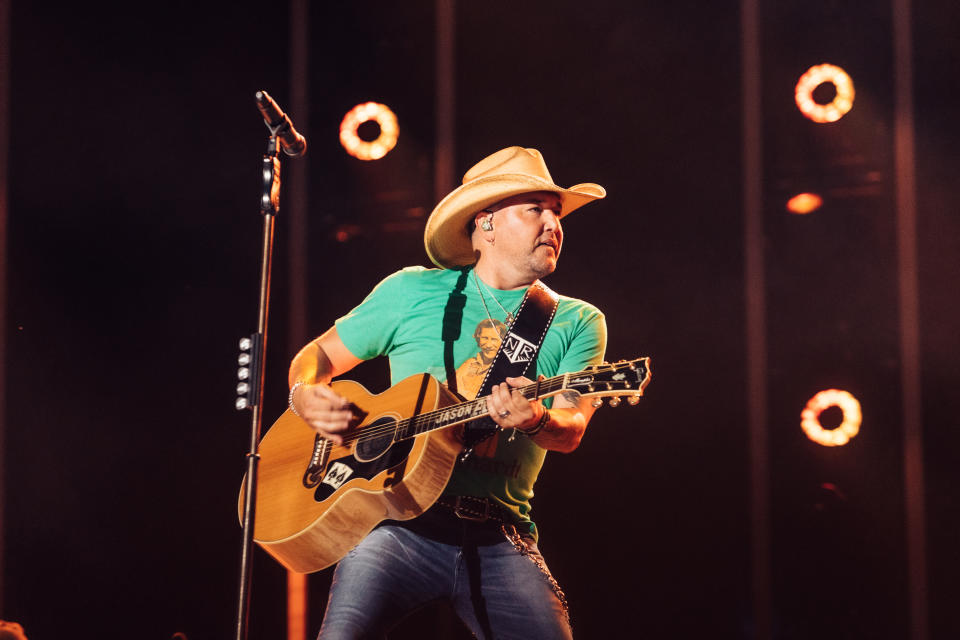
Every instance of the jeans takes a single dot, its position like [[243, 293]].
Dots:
[[498, 585]]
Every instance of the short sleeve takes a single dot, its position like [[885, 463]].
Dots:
[[589, 343], [369, 329]]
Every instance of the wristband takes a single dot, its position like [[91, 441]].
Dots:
[[293, 389], [541, 423]]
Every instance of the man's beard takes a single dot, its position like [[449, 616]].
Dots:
[[541, 266]]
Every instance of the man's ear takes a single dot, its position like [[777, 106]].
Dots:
[[485, 220]]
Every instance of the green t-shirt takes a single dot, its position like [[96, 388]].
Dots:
[[403, 319]]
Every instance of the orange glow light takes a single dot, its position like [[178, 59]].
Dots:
[[375, 149], [296, 606], [813, 78], [804, 203], [850, 427]]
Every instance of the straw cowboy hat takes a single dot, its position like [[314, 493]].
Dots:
[[506, 173]]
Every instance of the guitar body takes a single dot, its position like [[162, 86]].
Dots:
[[316, 500]]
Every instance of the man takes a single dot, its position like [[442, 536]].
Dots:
[[492, 237]]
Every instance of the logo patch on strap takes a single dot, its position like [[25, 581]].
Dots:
[[518, 349]]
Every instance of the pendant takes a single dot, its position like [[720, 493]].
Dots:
[[509, 319]]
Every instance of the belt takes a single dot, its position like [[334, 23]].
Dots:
[[461, 521], [475, 509]]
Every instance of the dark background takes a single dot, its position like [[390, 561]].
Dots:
[[132, 258]]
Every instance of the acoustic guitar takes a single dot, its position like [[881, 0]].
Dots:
[[316, 500]]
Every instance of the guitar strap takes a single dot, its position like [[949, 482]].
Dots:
[[516, 356], [452, 320]]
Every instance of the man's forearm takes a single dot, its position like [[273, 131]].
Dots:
[[563, 431]]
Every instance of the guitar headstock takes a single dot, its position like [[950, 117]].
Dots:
[[617, 380]]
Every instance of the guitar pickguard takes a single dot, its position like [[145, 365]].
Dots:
[[347, 468]]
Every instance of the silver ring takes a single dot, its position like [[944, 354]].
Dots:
[[503, 414]]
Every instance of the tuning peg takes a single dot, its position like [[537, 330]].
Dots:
[[633, 400], [596, 402], [615, 401]]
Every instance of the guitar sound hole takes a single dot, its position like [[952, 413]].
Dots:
[[376, 439]]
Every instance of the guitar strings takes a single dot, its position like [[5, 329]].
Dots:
[[428, 419]]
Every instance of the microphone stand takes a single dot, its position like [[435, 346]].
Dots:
[[253, 352]]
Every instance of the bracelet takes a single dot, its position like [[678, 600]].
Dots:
[[541, 423], [293, 389]]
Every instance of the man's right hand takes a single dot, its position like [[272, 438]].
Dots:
[[332, 416], [319, 361]]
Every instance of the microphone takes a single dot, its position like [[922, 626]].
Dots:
[[293, 143]]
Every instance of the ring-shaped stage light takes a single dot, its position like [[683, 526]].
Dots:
[[813, 78], [375, 149], [850, 427]]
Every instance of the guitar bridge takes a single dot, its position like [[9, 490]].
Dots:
[[313, 476]]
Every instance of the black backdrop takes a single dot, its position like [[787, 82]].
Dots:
[[132, 272]]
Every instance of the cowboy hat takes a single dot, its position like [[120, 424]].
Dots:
[[506, 173]]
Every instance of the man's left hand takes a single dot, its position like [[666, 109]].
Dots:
[[510, 409]]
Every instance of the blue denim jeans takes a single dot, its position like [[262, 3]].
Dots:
[[500, 588]]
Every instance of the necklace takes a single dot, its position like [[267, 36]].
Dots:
[[476, 281]]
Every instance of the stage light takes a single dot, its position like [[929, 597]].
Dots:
[[11, 631], [374, 149], [813, 78], [804, 203], [848, 428]]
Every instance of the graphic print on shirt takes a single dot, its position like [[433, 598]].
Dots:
[[489, 334]]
